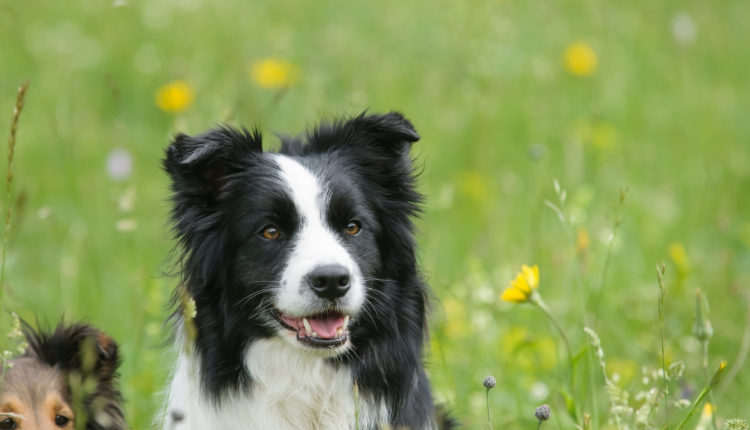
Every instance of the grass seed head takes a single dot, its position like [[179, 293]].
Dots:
[[735, 424]]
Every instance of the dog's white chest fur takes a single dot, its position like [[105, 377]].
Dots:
[[292, 390]]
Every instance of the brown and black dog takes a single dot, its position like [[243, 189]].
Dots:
[[66, 379]]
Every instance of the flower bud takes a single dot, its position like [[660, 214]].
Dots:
[[702, 329], [489, 382], [542, 413]]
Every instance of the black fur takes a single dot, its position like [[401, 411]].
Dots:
[[224, 185]]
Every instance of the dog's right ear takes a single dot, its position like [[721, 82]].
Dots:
[[199, 165]]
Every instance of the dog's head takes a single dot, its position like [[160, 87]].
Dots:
[[295, 243], [63, 377]]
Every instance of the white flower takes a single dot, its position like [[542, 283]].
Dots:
[[119, 164], [684, 29]]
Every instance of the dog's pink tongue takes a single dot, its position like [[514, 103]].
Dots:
[[326, 326]]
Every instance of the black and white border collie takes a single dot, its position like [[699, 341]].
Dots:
[[302, 267]]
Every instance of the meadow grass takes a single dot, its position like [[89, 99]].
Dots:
[[508, 96]]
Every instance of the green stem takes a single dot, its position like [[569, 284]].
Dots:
[[537, 300], [605, 271], [489, 419], [714, 425], [660, 277], [582, 300], [711, 384]]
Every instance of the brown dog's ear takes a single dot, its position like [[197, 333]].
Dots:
[[108, 357], [78, 347]]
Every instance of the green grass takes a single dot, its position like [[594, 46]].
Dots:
[[500, 119]]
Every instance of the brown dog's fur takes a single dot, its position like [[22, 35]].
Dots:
[[63, 377]]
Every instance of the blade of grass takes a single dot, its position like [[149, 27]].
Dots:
[[17, 108], [710, 385], [660, 269]]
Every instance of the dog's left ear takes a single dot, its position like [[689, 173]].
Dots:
[[389, 134], [392, 130], [199, 165]]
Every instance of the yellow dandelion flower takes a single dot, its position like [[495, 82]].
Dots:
[[580, 59], [521, 289], [175, 96], [679, 257], [274, 74], [677, 253], [708, 409], [582, 240]]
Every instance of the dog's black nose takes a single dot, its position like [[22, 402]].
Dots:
[[330, 281]]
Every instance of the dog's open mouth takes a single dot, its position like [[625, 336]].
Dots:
[[327, 329]]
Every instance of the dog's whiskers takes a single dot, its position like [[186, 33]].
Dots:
[[255, 294]]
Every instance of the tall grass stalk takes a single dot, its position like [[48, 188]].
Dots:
[[559, 210], [616, 223], [537, 300], [703, 331], [17, 108], [612, 390], [660, 269]]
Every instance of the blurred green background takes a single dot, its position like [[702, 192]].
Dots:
[[649, 99]]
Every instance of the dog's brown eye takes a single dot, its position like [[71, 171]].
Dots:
[[270, 232], [61, 420], [353, 228], [8, 424]]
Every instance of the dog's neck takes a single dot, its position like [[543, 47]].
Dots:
[[291, 389]]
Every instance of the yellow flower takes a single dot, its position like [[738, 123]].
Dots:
[[521, 289], [175, 96], [274, 74], [679, 256], [580, 59], [706, 415], [582, 240]]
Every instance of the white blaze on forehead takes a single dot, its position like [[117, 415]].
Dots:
[[304, 187], [314, 244]]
